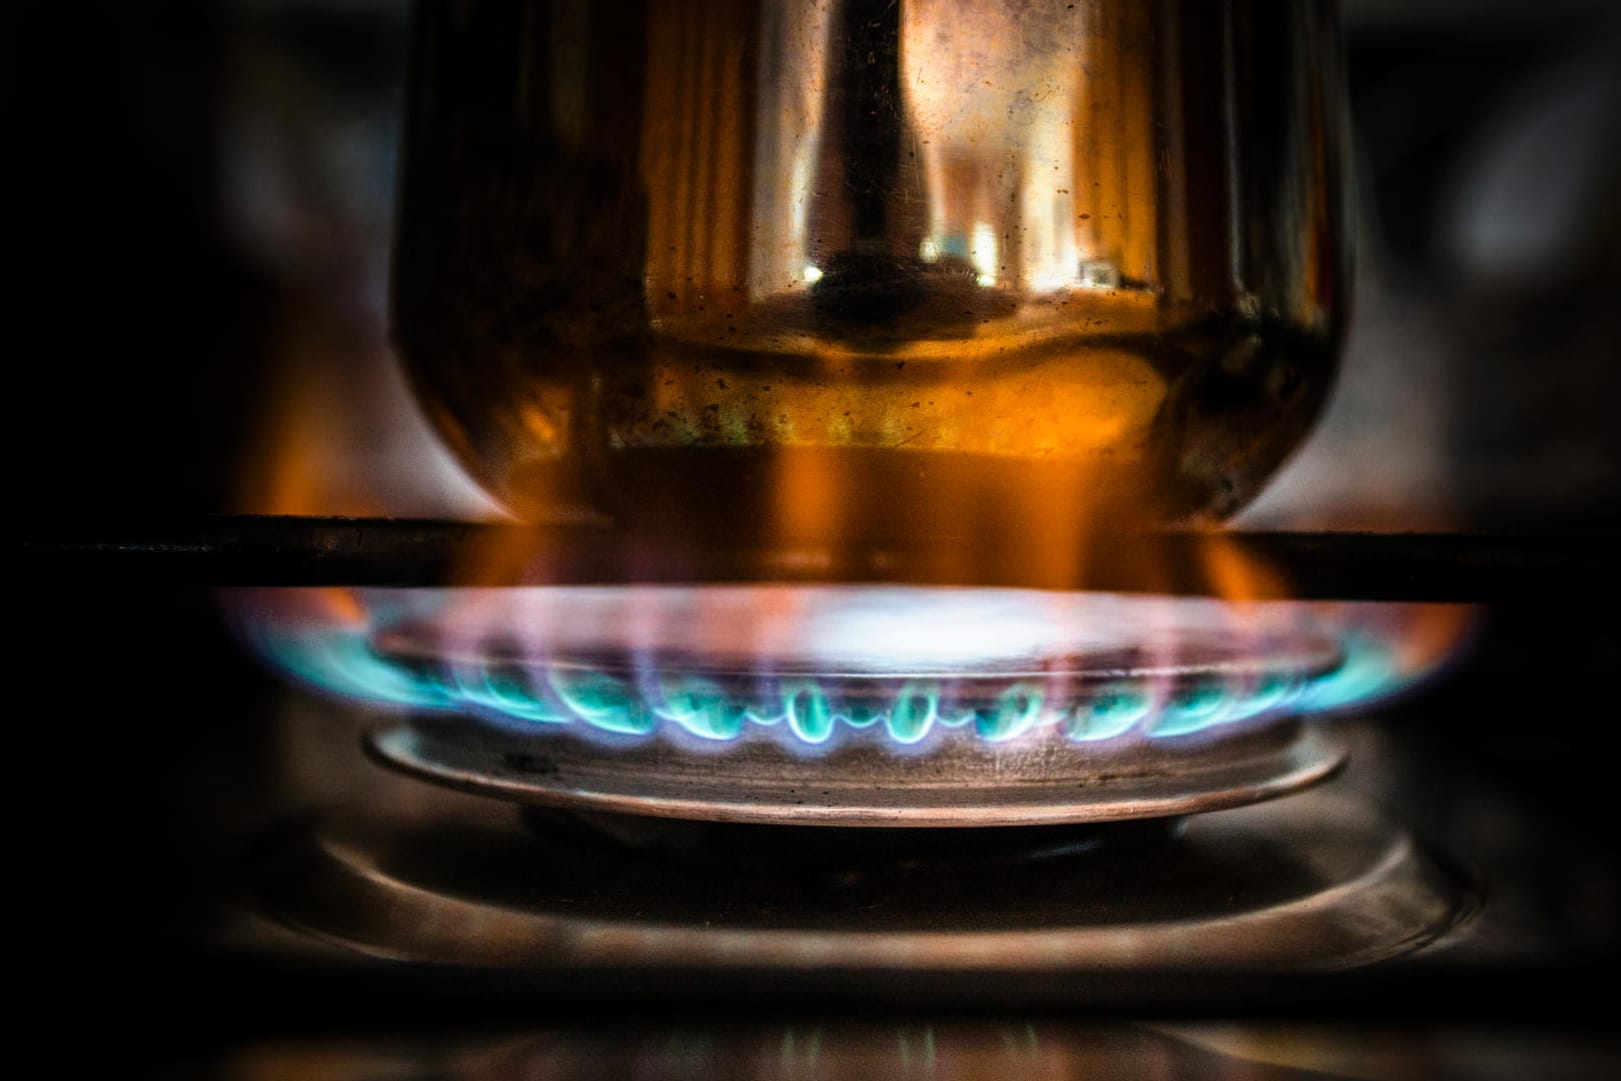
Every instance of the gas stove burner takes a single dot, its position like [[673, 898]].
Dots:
[[845, 705], [963, 782], [809, 666], [1317, 881]]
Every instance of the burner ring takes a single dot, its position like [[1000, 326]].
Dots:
[[1319, 881], [963, 783]]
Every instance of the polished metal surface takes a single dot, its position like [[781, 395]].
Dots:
[[720, 1048], [836, 268], [962, 783], [1317, 881]]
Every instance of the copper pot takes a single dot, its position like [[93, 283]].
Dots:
[[852, 268]]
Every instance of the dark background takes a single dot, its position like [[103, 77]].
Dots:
[[199, 211], [201, 202]]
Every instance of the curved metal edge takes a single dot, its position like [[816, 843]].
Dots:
[[1309, 759], [1396, 905]]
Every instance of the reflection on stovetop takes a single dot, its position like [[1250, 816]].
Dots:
[[174, 759], [1315, 881], [932, 1051]]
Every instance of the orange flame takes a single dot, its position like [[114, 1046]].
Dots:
[[1028, 433]]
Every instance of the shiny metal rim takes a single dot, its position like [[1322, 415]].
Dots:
[[1033, 782], [1321, 881]]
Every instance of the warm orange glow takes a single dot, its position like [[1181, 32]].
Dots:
[[339, 434], [1239, 576], [303, 466], [949, 291], [1116, 213], [701, 58], [1430, 634], [1035, 400]]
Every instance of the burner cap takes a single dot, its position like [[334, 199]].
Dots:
[[960, 783]]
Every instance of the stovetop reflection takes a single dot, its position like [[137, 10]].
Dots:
[[156, 867], [1319, 881]]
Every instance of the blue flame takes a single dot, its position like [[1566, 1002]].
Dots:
[[604, 702], [341, 660], [915, 710], [700, 707], [1014, 713], [1366, 674], [809, 711], [1116, 710], [507, 694]]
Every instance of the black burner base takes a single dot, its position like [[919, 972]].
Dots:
[[794, 850], [1318, 880]]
